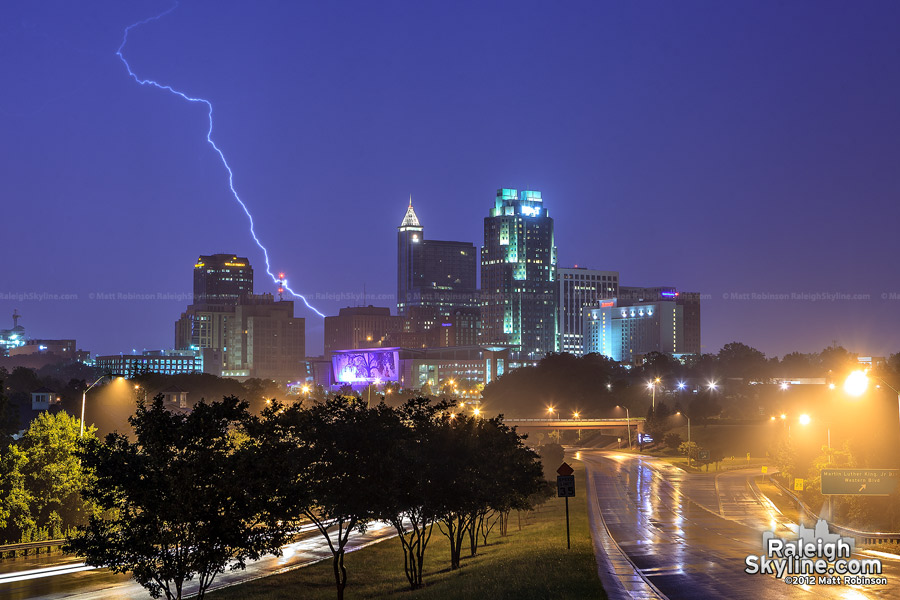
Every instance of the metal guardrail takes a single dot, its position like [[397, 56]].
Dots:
[[12, 550], [864, 537], [623, 420]]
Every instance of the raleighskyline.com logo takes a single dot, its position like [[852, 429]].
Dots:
[[816, 557]]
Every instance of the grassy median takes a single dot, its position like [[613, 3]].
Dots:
[[529, 563]]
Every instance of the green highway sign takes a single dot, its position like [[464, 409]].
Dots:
[[859, 482]]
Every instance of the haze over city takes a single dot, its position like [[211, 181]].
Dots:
[[738, 149]]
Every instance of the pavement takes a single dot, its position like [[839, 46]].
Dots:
[[671, 534], [57, 576]]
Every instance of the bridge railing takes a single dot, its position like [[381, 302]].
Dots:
[[12, 550], [863, 537], [623, 420]]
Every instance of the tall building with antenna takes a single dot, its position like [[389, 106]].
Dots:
[[519, 294], [12, 338]]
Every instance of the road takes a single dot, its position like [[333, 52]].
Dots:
[[686, 535], [58, 576]]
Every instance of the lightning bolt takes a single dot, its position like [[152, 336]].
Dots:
[[209, 106]]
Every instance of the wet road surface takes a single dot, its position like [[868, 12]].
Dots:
[[686, 535], [56, 576]]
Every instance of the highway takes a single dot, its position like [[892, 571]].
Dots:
[[671, 534], [57, 576]]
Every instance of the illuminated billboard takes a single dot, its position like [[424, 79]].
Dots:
[[366, 366]]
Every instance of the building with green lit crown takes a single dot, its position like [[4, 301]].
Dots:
[[519, 293]]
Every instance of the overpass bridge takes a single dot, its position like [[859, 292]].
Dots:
[[635, 422]]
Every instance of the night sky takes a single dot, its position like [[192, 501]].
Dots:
[[720, 147]]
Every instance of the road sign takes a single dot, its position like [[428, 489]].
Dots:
[[704, 455], [565, 486], [859, 482], [798, 485], [565, 469], [765, 470]]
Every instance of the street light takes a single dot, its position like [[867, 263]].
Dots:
[[84, 399], [689, 434], [550, 410], [652, 386], [858, 381], [804, 419], [627, 423]]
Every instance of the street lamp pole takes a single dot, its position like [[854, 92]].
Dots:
[[689, 435], [628, 425], [84, 401]]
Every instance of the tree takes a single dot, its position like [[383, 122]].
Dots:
[[690, 449], [332, 469], [740, 360], [53, 475], [486, 468], [672, 440], [179, 503], [552, 456], [414, 503], [9, 420], [15, 516], [658, 422]]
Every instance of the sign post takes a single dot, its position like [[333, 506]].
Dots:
[[565, 488]]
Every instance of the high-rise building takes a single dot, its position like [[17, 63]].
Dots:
[[433, 273], [266, 340], [622, 332], [580, 288], [246, 335], [519, 295], [222, 279], [360, 327], [688, 301]]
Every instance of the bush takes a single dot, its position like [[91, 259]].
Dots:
[[672, 440], [552, 455]]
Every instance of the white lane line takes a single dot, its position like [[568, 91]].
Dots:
[[45, 572]]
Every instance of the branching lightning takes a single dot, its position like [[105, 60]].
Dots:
[[281, 281]]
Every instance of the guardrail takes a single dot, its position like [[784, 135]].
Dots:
[[863, 537], [623, 420], [12, 550]]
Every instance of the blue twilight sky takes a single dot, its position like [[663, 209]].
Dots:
[[722, 147]]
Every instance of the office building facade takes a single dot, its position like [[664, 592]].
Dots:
[[625, 332], [433, 273], [360, 327], [247, 335], [688, 301], [166, 362], [580, 289], [519, 293], [265, 340], [222, 279]]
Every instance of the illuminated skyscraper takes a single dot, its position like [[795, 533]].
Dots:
[[580, 288], [222, 279], [519, 295], [433, 273]]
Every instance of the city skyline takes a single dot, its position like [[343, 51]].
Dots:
[[637, 185]]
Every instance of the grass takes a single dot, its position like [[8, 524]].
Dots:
[[784, 503], [529, 563]]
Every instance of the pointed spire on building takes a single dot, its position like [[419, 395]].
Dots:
[[410, 219]]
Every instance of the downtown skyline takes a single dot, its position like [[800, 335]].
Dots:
[[753, 172]]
